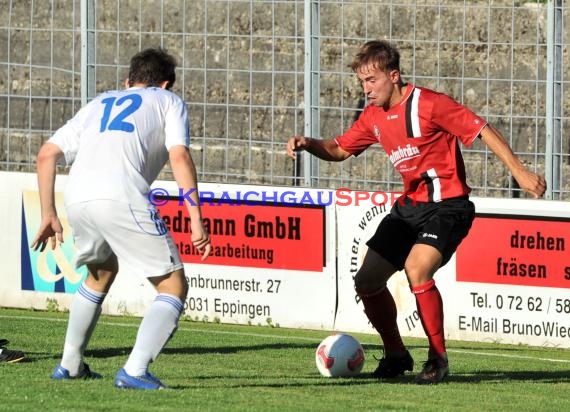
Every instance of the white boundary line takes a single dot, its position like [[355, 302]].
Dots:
[[303, 338]]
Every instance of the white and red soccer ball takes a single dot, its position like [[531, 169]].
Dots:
[[339, 355]]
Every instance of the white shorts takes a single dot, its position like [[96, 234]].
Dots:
[[138, 237]]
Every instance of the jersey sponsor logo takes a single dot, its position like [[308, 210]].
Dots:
[[401, 154], [407, 169]]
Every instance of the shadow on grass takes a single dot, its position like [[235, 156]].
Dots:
[[195, 350], [494, 376], [302, 381], [315, 380], [498, 347], [192, 350]]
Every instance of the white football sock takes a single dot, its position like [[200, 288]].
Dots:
[[83, 316], [156, 329]]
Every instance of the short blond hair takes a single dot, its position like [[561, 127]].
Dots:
[[379, 54]]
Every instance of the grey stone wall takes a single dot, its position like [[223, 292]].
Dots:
[[241, 72]]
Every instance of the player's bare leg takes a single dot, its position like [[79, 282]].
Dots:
[[83, 316], [421, 265], [156, 329], [380, 308]]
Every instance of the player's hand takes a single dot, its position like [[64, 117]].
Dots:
[[50, 230], [532, 183], [295, 144], [201, 239]]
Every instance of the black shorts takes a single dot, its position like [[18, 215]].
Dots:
[[442, 225]]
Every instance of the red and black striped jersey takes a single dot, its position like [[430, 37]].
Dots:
[[421, 136]]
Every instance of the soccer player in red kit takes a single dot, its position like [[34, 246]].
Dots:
[[420, 130]]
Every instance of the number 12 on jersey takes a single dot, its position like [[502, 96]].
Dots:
[[118, 122]]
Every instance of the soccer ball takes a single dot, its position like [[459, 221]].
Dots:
[[339, 355]]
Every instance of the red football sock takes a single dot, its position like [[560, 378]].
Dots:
[[381, 311], [430, 310]]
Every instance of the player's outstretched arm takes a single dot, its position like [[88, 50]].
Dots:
[[184, 172], [50, 226], [325, 149], [530, 182]]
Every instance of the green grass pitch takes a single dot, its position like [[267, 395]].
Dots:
[[217, 367]]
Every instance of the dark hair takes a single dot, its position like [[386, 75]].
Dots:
[[378, 53], [152, 67]]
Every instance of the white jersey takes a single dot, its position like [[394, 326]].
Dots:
[[119, 142]]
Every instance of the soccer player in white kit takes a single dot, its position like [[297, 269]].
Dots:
[[117, 145]]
